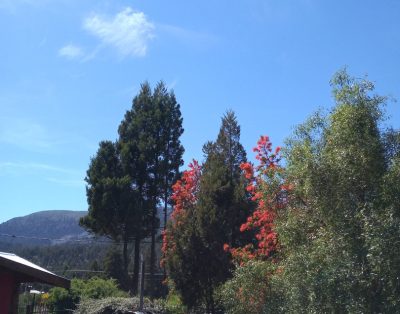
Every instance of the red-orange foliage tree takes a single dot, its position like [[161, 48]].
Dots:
[[184, 196], [267, 188]]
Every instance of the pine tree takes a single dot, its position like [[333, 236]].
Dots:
[[115, 209], [209, 217], [152, 152], [137, 144], [222, 205]]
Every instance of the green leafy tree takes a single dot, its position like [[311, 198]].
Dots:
[[384, 231], [338, 231], [337, 165]]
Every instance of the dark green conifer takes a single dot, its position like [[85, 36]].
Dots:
[[199, 263], [152, 153]]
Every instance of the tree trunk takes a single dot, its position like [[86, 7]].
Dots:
[[125, 255], [153, 249], [165, 225], [125, 282], [136, 266]]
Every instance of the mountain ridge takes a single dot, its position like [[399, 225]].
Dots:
[[54, 225]]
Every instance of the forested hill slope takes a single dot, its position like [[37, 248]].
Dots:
[[62, 225]]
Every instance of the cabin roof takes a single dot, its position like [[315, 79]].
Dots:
[[25, 271]]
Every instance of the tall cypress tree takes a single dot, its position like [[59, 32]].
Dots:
[[127, 180], [198, 263], [152, 152], [222, 205], [170, 148]]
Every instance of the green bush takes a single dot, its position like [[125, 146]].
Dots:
[[63, 301], [174, 305], [250, 289]]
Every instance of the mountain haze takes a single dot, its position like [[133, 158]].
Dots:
[[58, 225]]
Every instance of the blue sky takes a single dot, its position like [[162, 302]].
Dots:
[[69, 70]]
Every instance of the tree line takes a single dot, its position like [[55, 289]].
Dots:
[[319, 232], [313, 226]]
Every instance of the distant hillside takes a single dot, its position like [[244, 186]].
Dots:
[[51, 224], [64, 255]]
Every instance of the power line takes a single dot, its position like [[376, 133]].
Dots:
[[95, 271], [87, 240]]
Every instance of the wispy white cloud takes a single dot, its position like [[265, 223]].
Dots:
[[71, 51], [32, 136], [23, 167], [61, 176], [129, 31], [25, 134]]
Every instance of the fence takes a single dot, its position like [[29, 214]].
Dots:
[[32, 303], [36, 303]]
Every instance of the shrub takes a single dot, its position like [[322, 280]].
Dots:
[[117, 305], [250, 289], [174, 305], [63, 301]]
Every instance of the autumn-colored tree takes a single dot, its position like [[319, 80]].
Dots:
[[266, 186], [258, 260], [180, 239], [184, 195]]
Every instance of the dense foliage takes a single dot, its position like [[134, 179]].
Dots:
[[340, 227], [63, 301], [316, 233], [259, 259], [267, 188]]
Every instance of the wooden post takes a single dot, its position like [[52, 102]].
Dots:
[[141, 291]]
